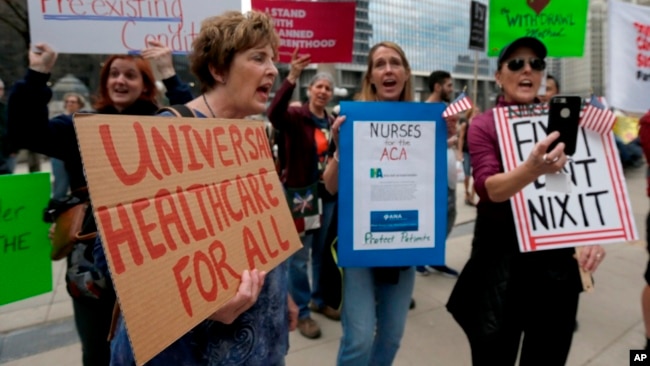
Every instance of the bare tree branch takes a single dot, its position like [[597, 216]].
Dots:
[[19, 21]]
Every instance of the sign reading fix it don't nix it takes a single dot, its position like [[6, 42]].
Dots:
[[183, 209], [122, 26]]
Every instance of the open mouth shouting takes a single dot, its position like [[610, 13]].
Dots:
[[264, 91]]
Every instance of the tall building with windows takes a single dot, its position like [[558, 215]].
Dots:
[[434, 35]]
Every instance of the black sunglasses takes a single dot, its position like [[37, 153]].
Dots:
[[517, 64]]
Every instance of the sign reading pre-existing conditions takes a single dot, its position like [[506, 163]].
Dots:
[[183, 208], [596, 209], [120, 26], [323, 29], [392, 184]]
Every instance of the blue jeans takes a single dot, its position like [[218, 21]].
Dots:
[[61, 180], [298, 278], [373, 317]]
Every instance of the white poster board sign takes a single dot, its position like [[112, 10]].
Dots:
[[628, 72], [597, 208], [120, 26]]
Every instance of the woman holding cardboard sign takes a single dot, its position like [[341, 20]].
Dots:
[[127, 86], [375, 300], [502, 293], [233, 58]]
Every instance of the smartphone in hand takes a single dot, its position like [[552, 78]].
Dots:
[[564, 117]]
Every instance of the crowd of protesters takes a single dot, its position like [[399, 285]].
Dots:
[[233, 57]]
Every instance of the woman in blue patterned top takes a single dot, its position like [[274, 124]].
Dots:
[[233, 58]]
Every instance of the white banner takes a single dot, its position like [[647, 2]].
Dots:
[[628, 80], [120, 26]]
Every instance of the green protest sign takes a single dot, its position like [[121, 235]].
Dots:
[[25, 264], [561, 25]]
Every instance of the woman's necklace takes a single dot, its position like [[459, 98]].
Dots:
[[207, 105]]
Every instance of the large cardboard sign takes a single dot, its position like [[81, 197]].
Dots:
[[25, 264], [392, 184], [596, 210], [183, 207], [323, 29], [122, 26], [560, 25], [628, 71]]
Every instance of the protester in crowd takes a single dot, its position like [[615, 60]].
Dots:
[[501, 292], [306, 131], [7, 151], [127, 86], [442, 88], [552, 89], [463, 154], [375, 300], [644, 138], [232, 57], [72, 103]]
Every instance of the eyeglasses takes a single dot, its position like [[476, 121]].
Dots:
[[71, 101], [517, 64]]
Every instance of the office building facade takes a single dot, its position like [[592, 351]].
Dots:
[[434, 35]]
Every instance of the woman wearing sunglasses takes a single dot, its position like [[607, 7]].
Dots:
[[502, 293]]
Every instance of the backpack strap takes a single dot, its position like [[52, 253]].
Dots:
[[178, 110]]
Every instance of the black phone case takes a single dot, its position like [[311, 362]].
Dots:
[[564, 117]]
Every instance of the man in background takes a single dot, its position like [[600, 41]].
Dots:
[[441, 87]]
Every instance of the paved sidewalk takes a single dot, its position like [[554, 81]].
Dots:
[[610, 322]]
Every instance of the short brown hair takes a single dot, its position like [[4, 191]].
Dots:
[[368, 91], [222, 36]]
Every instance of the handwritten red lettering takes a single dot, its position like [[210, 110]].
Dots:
[[263, 143], [249, 133], [255, 188], [197, 190], [197, 234], [114, 237], [194, 164], [393, 153], [235, 215], [220, 264], [205, 147], [268, 188], [284, 244], [252, 249], [170, 218], [221, 147], [145, 163], [183, 284], [199, 258], [236, 141], [167, 151], [246, 199], [272, 253], [155, 250]]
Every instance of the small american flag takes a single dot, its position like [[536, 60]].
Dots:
[[597, 117], [460, 104]]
